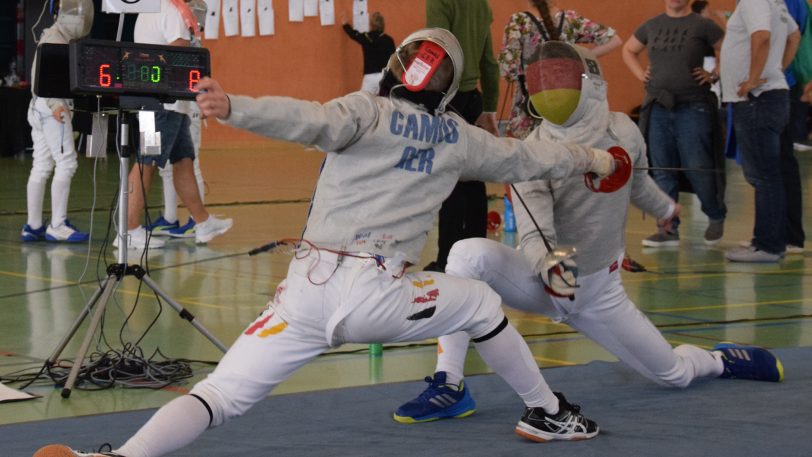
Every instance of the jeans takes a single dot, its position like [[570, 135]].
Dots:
[[790, 174], [683, 137], [758, 123]]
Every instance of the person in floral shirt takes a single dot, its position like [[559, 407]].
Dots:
[[521, 38]]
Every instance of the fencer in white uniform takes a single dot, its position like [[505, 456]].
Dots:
[[52, 136], [392, 162], [567, 88]]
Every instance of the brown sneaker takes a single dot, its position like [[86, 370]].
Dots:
[[714, 232], [662, 239]]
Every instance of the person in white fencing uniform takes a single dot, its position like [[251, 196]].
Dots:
[[567, 88], [394, 160], [52, 136], [194, 15]]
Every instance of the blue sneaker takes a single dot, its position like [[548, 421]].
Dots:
[[161, 226], [438, 401], [65, 233], [749, 362], [28, 234], [184, 231]]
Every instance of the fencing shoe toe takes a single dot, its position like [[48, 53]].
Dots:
[[749, 362]]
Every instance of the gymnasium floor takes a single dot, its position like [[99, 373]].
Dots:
[[690, 292]]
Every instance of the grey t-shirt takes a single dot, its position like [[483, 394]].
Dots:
[[675, 46]]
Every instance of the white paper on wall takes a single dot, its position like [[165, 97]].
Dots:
[[295, 11], [311, 8], [248, 17], [121, 6], [266, 17], [327, 12], [231, 17], [212, 25], [360, 16]]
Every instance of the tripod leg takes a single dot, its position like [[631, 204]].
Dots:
[[109, 287], [183, 312], [61, 347]]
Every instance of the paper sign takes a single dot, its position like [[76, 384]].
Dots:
[[311, 8], [231, 17], [295, 10], [212, 25], [360, 16], [131, 6], [327, 12], [248, 17], [266, 17]]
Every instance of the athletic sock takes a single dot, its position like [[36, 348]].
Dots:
[[451, 351], [175, 425], [170, 196], [35, 195], [60, 192], [518, 369]]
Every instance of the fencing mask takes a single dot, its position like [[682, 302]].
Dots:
[[561, 79], [75, 18]]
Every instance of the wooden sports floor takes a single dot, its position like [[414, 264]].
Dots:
[[690, 292]]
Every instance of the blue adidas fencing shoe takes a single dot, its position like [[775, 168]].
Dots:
[[29, 234], [186, 230], [438, 401], [161, 226], [749, 362]]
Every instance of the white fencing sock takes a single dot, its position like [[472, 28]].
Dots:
[[170, 196], [176, 425], [508, 356], [35, 195], [451, 351], [60, 191]]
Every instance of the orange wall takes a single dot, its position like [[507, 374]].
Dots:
[[308, 61]]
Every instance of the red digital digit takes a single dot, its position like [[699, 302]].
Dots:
[[194, 78], [104, 75]]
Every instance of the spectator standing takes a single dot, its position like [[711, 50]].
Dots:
[[679, 116], [177, 148], [376, 46], [795, 132], [525, 31], [761, 42], [464, 213]]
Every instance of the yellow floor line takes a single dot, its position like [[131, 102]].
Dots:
[[555, 361]]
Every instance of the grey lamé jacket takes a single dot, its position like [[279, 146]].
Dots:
[[390, 165], [570, 214]]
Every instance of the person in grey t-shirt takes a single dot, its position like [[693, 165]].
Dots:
[[680, 112]]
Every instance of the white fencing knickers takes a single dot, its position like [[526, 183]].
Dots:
[[54, 152], [601, 311], [325, 302]]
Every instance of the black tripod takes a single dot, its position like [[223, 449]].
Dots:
[[115, 274]]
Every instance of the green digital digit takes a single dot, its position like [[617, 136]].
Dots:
[[155, 76]]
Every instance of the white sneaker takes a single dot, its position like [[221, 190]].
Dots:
[[790, 249], [137, 239], [802, 147], [205, 231]]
